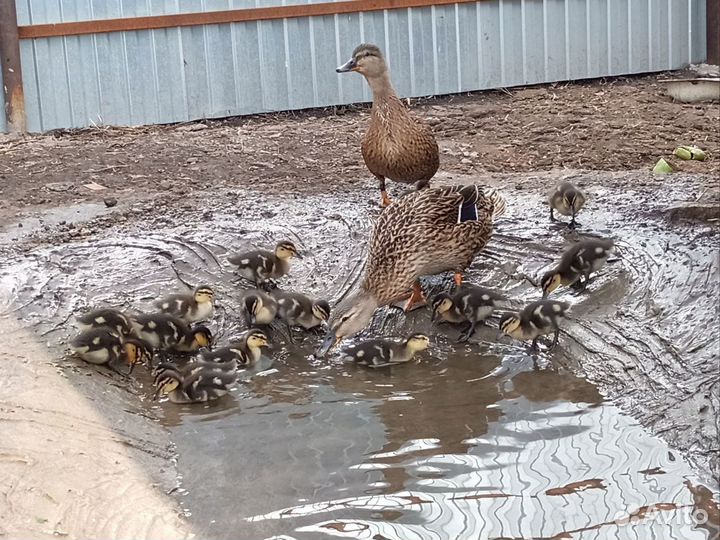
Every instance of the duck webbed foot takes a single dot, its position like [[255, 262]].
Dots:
[[417, 298]]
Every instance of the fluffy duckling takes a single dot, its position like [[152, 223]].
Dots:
[[469, 304], [169, 333], [566, 199], [196, 382], [385, 352], [260, 265], [105, 317], [245, 352], [535, 320], [102, 346], [578, 262], [299, 310], [259, 307], [194, 307]]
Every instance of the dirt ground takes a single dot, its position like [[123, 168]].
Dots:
[[614, 125], [605, 135]]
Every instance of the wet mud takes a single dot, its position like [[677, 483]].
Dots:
[[613, 434]]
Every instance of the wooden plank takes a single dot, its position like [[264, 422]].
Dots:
[[12, 91], [220, 17]]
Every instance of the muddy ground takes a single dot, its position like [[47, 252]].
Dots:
[[647, 338]]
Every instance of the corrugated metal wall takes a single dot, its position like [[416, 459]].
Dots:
[[3, 121], [171, 75]]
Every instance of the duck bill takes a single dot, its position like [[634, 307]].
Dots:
[[329, 343], [350, 65]]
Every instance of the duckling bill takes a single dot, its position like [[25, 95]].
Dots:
[[576, 265], [385, 352], [537, 319]]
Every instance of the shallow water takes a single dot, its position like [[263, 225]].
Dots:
[[473, 441]]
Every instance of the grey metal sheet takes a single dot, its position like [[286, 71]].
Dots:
[[171, 75]]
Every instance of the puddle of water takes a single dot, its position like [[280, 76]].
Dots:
[[471, 442]]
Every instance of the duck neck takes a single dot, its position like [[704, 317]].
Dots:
[[381, 87]]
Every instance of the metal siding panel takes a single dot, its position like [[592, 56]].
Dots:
[[658, 35], [33, 107], [196, 72], [639, 50], [423, 54], [247, 52], [3, 120], [348, 30], [115, 105], [554, 29], [301, 94], [220, 69], [169, 75], [446, 59], [699, 31], [53, 87], [576, 36], [680, 29], [618, 36], [534, 52], [273, 65], [597, 38], [398, 39], [468, 42], [327, 84], [490, 44], [512, 45]]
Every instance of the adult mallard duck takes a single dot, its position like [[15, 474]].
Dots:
[[425, 232], [396, 145]]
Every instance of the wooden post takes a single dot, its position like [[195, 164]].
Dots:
[[13, 96], [713, 31]]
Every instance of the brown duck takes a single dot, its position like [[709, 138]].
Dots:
[[396, 145]]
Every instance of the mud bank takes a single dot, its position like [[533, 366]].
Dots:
[[78, 457]]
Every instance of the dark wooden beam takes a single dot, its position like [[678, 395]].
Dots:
[[221, 17], [713, 31], [13, 96]]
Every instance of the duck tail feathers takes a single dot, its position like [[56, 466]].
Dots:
[[498, 202]]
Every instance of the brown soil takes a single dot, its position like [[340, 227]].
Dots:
[[619, 124]]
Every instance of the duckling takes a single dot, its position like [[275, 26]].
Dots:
[[196, 382], [260, 307], [169, 333], [260, 266], [105, 317], [470, 303], [103, 346], [566, 199], [385, 352], [244, 352], [299, 310], [397, 145], [535, 320], [194, 307], [578, 261]]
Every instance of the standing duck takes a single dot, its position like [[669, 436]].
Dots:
[[469, 304], [426, 232], [578, 262], [535, 320], [396, 145], [103, 346], [169, 333], [566, 199], [260, 265], [194, 307], [385, 352]]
